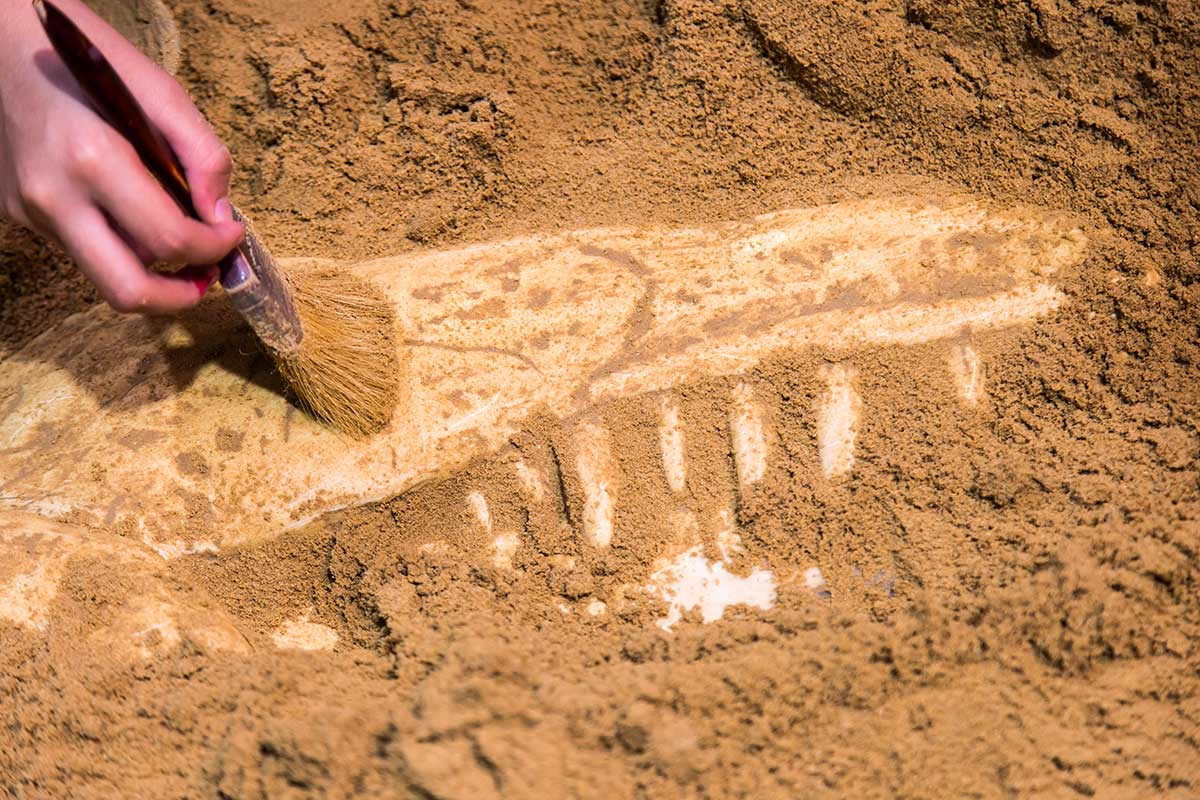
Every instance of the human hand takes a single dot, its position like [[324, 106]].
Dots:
[[67, 174]]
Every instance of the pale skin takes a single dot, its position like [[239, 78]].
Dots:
[[69, 176]]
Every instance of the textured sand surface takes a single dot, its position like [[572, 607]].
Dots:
[[909, 506]]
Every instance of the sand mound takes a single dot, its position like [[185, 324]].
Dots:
[[104, 594], [931, 531]]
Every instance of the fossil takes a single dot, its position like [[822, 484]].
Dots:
[[175, 432], [147, 614]]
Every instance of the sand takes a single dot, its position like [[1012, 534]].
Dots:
[[990, 591]]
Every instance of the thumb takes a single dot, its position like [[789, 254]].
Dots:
[[205, 158], [207, 165]]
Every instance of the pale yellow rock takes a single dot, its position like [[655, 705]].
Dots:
[[149, 24], [304, 634], [177, 433], [838, 412], [137, 613]]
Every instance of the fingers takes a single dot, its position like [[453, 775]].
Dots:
[[205, 158], [121, 278], [206, 161], [146, 212], [70, 176]]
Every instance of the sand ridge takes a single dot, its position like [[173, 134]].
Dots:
[[994, 596]]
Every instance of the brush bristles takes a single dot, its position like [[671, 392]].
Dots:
[[346, 370]]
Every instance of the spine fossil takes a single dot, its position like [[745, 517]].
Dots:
[[492, 333]]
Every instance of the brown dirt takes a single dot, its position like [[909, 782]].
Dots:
[[1013, 604]]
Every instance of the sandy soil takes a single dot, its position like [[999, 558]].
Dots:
[[1011, 600]]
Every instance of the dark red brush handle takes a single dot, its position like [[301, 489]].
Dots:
[[113, 101]]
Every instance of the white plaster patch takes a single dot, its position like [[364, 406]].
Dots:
[[670, 441], [596, 476], [530, 481], [26, 598], [479, 508], [967, 372], [504, 547], [158, 631], [838, 411], [761, 244], [49, 507], [596, 608], [814, 579], [729, 541], [691, 581], [303, 634], [746, 432]]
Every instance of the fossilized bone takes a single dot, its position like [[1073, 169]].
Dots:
[[145, 615], [175, 432], [149, 24]]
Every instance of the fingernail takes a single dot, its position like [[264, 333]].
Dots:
[[224, 210], [202, 278]]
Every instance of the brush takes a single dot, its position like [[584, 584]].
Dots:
[[331, 334]]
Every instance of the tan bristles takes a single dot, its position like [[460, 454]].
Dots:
[[346, 370]]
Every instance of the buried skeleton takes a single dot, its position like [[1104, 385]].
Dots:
[[181, 440]]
